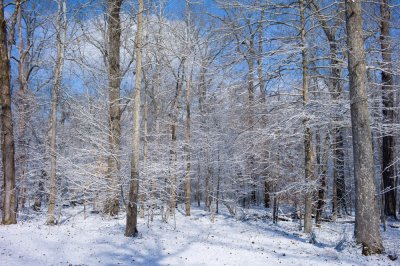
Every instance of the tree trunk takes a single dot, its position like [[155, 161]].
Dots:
[[250, 106], [61, 36], [22, 105], [388, 141], [174, 137], [40, 191], [187, 128], [207, 194], [339, 186], [114, 81], [322, 186], [218, 185], [261, 81], [144, 179], [308, 146], [7, 133], [367, 231], [203, 110], [187, 145], [132, 208]]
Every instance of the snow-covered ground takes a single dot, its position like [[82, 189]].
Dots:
[[196, 240]]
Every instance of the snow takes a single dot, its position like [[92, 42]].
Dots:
[[196, 240]]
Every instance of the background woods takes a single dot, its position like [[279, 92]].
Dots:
[[143, 108]]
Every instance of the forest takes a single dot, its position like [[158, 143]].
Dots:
[[159, 132]]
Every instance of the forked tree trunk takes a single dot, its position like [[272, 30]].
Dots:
[[388, 140], [7, 133], [132, 206], [61, 25], [367, 231]]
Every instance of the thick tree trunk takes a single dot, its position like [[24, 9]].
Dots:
[[367, 231], [111, 205], [132, 207], [61, 36], [388, 141], [308, 145], [7, 133]]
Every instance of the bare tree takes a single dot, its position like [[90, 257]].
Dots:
[[335, 85], [7, 133], [388, 140], [114, 80], [188, 99], [61, 31], [367, 230], [309, 162], [132, 206]]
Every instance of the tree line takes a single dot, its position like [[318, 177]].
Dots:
[[138, 107]]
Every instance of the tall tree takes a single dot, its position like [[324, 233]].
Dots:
[[24, 71], [188, 99], [367, 231], [61, 31], [176, 107], [388, 140], [330, 30], [7, 133], [132, 208], [114, 82], [308, 145]]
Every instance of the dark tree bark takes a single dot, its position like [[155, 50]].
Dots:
[[322, 186], [7, 134], [388, 141], [367, 231], [339, 187], [114, 81]]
